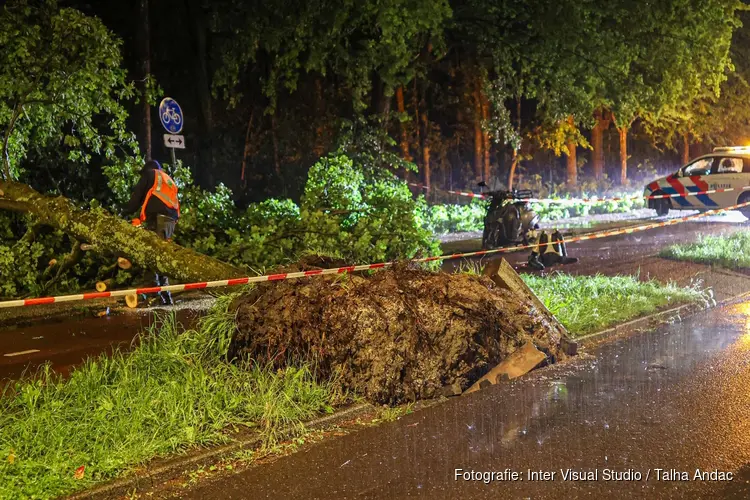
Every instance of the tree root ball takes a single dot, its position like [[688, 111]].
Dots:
[[398, 335]]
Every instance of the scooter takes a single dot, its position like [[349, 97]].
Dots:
[[509, 218]]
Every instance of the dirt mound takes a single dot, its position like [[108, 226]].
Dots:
[[398, 335]]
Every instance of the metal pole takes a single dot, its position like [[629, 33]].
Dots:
[[174, 162]]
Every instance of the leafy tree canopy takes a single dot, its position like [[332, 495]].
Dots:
[[352, 39], [61, 84]]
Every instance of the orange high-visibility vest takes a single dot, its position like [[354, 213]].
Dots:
[[165, 189]]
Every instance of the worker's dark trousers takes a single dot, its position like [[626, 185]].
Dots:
[[163, 226]]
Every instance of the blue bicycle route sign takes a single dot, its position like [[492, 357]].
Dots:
[[170, 115]]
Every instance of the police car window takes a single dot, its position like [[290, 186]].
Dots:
[[700, 167], [730, 166]]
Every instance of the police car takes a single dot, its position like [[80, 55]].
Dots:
[[726, 170]]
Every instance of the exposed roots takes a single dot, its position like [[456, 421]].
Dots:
[[398, 335]]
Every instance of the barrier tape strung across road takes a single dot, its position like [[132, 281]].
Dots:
[[459, 193], [589, 200], [345, 269]]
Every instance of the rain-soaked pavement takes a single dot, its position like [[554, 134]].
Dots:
[[600, 254], [643, 413], [65, 343]]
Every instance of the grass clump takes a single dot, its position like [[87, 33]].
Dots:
[[730, 251], [585, 304], [172, 392]]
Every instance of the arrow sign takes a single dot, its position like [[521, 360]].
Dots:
[[174, 141]]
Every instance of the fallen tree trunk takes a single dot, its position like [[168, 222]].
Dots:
[[399, 335], [110, 234]]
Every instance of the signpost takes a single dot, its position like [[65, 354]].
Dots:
[[170, 114]]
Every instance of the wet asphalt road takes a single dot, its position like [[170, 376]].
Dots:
[[598, 254], [676, 398], [67, 343]]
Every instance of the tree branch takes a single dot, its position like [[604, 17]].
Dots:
[[14, 206]]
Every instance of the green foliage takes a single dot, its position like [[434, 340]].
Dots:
[[18, 267], [731, 251], [357, 212], [555, 137], [379, 218], [449, 218], [500, 125], [25, 257], [585, 304], [347, 210], [121, 177], [353, 40], [173, 392], [60, 83]]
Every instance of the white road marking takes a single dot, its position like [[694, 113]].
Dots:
[[21, 353]]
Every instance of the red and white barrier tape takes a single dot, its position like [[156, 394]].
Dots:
[[459, 193], [634, 197], [589, 200], [345, 269]]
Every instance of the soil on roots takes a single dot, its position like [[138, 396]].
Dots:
[[398, 335]]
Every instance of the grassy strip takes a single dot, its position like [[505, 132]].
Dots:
[[172, 392], [731, 251], [585, 304]]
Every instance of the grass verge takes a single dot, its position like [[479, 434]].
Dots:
[[731, 251], [585, 304], [172, 392]]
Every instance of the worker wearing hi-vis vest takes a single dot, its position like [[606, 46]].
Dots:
[[155, 201], [548, 249]]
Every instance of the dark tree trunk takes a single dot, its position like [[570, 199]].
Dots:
[[426, 167], [515, 155], [418, 121], [572, 165], [513, 165], [404, 137], [319, 147], [485, 136], [478, 138], [572, 161], [381, 101], [112, 235], [247, 148], [597, 141], [144, 54], [276, 158], [623, 131], [203, 86]]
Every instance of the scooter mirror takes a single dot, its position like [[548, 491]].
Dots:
[[482, 184]]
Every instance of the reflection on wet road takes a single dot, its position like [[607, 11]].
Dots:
[[676, 399], [66, 343], [601, 253]]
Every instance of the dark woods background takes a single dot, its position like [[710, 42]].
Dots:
[[260, 142]]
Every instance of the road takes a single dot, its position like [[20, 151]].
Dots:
[[675, 399], [66, 344]]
